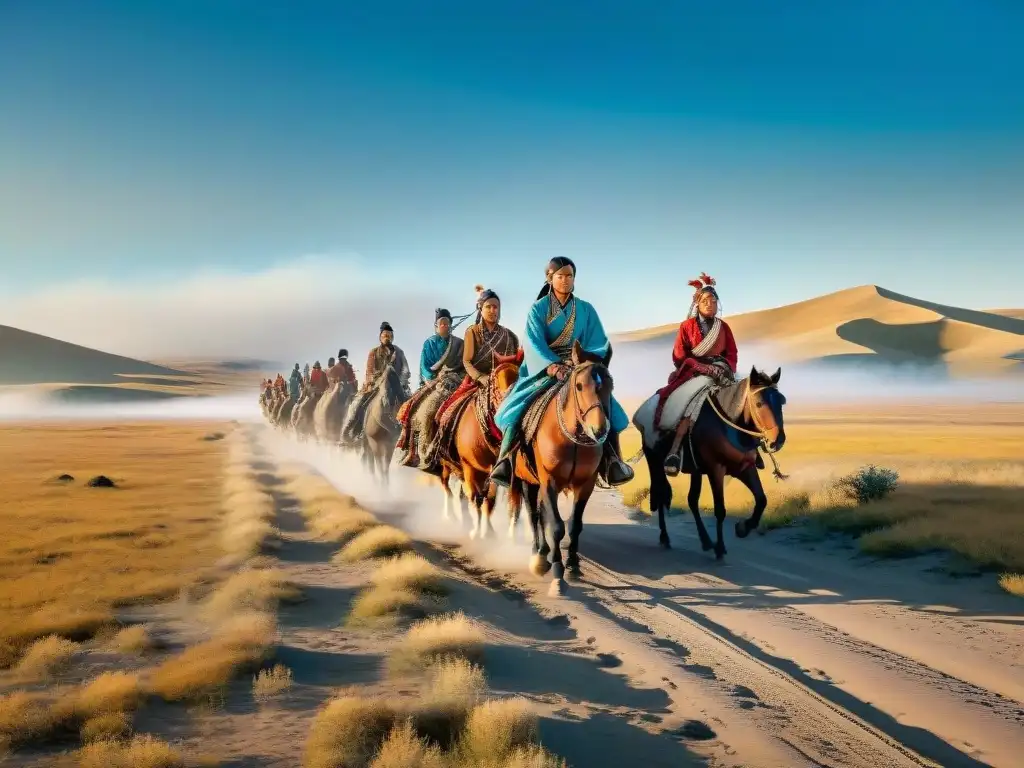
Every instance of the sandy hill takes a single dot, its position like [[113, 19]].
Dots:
[[869, 324], [1017, 313]]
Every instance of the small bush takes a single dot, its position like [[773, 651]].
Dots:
[[111, 726], [437, 639], [271, 682], [348, 732], [141, 752], [496, 729], [25, 718], [380, 541], [385, 603], [48, 656], [405, 748], [134, 639], [1013, 583], [412, 572], [108, 693], [869, 483]]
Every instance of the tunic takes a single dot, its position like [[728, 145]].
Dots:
[[440, 353], [692, 354], [342, 371], [480, 347], [379, 359], [550, 332]]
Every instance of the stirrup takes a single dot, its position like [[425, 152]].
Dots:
[[673, 464]]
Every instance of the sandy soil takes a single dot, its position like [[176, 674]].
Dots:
[[790, 653]]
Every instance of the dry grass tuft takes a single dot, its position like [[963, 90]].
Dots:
[[26, 718], [46, 657], [1013, 583], [112, 726], [141, 752], [386, 604], [258, 589], [348, 732], [405, 748], [412, 572], [436, 639], [203, 671], [110, 692], [132, 640], [271, 682], [495, 730], [455, 687], [380, 541]]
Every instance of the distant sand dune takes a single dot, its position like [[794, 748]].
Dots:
[[871, 325]]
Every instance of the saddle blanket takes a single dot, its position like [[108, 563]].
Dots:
[[684, 403]]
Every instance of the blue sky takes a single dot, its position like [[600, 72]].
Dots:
[[789, 148]]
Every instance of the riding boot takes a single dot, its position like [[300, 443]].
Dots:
[[674, 460], [614, 470]]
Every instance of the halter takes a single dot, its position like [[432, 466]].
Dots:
[[761, 434]]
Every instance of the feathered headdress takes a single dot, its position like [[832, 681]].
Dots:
[[703, 284]]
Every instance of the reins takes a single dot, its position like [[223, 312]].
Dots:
[[761, 434], [586, 440]]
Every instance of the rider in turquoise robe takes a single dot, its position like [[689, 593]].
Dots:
[[433, 349], [542, 347]]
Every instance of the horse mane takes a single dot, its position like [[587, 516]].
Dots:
[[730, 398]]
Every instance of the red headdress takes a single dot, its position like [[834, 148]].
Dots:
[[703, 283]]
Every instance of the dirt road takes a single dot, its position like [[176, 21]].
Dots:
[[788, 653]]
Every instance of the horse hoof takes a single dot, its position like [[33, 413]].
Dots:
[[741, 529], [573, 573], [706, 545], [665, 543], [720, 553], [558, 588], [539, 565]]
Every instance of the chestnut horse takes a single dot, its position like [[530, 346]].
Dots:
[[567, 451], [730, 427], [475, 453]]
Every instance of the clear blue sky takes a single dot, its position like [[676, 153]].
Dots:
[[789, 148]]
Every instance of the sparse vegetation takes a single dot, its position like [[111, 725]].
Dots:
[[436, 639], [1013, 583], [409, 571], [111, 726], [386, 603], [257, 589], [141, 752], [348, 732], [271, 682], [378, 542], [132, 640], [45, 658]]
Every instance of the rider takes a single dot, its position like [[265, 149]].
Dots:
[[484, 339], [342, 370], [317, 379], [295, 384], [556, 320], [279, 384], [377, 362], [305, 373], [704, 347], [440, 373]]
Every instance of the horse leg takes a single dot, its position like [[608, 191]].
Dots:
[[555, 529], [515, 505], [693, 501], [661, 492], [449, 497], [717, 478], [580, 499], [539, 564], [752, 480], [471, 482]]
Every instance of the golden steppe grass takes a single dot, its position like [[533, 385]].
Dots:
[[961, 483], [71, 555]]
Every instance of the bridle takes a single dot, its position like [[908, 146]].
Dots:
[[760, 432], [585, 440]]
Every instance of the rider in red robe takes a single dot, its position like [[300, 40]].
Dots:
[[704, 346]]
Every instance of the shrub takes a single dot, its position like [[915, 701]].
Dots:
[[869, 483]]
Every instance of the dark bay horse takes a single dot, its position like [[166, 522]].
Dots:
[[380, 427], [724, 439], [567, 451], [475, 452]]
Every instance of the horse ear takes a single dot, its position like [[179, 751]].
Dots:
[[776, 376], [754, 375]]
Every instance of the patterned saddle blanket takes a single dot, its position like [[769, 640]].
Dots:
[[535, 410]]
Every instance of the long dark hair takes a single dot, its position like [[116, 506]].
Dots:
[[554, 265]]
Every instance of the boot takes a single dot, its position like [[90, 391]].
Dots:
[[502, 472], [616, 471], [674, 460]]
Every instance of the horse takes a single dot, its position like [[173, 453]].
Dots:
[[302, 418], [282, 418], [567, 448], [329, 414], [724, 439], [381, 430], [475, 452]]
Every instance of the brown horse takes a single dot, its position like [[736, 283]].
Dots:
[[329, 414], [567, 450], [283, 415], [381, 429], [724, 440], [475, 453]]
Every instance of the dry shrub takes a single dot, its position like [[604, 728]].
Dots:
[[455, 687], [108, 693], [26, 718], [386, 604], [271, 682], [203, 671], [141, 752], [348, 732], [46, 657], [75, 625], [496, 729], [409, 571], [134, 639], [247, 525], [404, 748], [1013, 583], [259, 589], [435, 639], [380, 541], [111, 726], [340, 525]]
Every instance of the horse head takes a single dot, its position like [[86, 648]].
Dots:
[[505, 370], [590, 386], [764, 407], [391, 392]]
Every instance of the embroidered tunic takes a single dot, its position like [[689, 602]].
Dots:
[[440, 353], [692, 354], [551, 330], [480, 347], [379, 359]]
